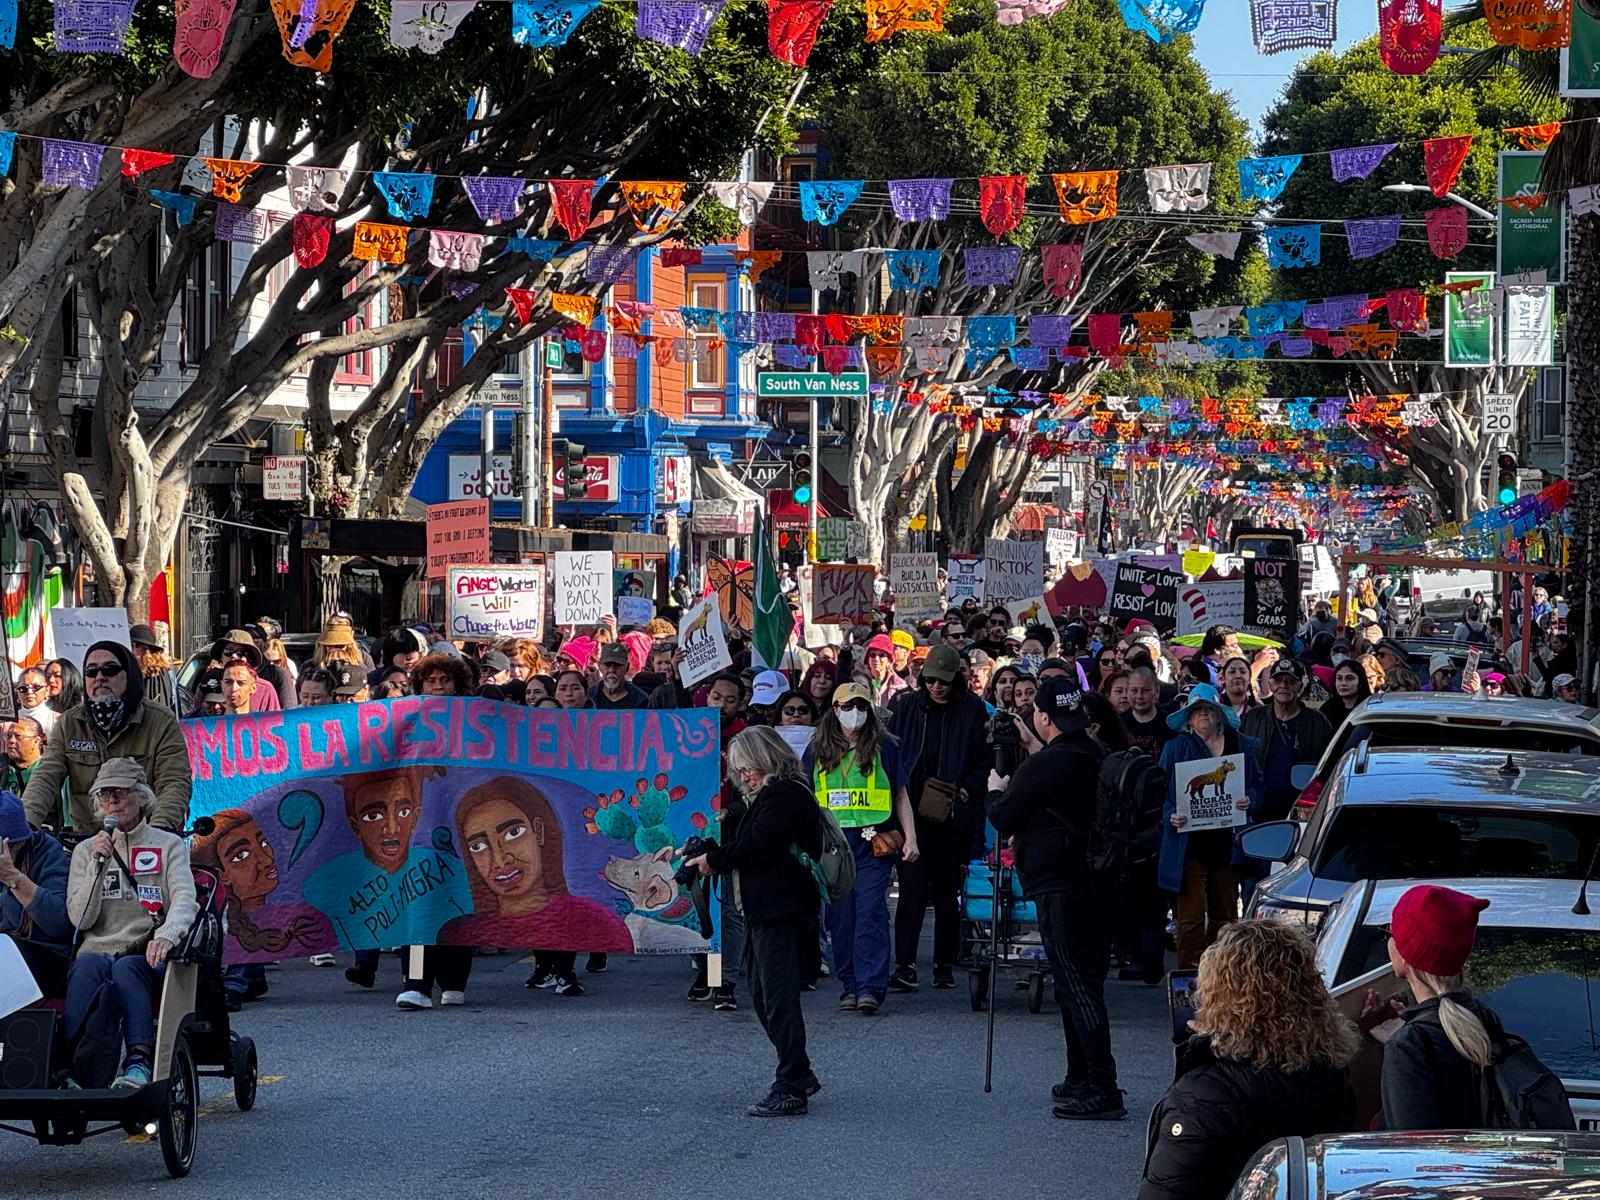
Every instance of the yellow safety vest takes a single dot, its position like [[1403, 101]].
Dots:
[[855, 798]]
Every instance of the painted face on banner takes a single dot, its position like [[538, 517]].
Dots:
[[384, 812], [249, 866], [505, 847]]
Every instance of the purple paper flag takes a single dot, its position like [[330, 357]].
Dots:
[[685, 24], [991, 266], [1357, 162], [609, 264], [304, 21], [774, 327], [791, 356], [1372, 235], [495, 198], [71, 164], [920, 199], [241, 223], [1046, 330], [92, 26], [461, 288], [1335, 312]]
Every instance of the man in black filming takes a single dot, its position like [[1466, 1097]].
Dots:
[[1048, 809]]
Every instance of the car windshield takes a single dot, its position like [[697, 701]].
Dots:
[[1263, 546], [1544, 984], [1414, 842]]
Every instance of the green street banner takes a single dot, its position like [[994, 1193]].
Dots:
[[1580, 62], [1469, 320], [1530, 238]]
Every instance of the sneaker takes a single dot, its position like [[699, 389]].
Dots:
[[1129, 974], [135, 1075], [725, 1001], [904, 979], [324, 960], [412, 1000], [944, 978], [596, 964], [542, 977], [1092, 1105], [699, 990], [235, 1001], [848, 1003], [778, 1104], [1067, 1089], [568, 987], [827, 972], [361, 978], [452, 999], [255, 989], [868, 1006], [813, 1086]]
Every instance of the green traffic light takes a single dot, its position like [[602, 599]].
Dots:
[[1507, 495], [802, 495]]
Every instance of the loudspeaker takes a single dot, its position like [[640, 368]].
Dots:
[[25, 1040]]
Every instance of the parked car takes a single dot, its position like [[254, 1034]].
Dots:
[[1434, 813], [1437, 1166], [1536, 963], [1446, 719]]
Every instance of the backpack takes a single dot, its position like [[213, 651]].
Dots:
[[1129, 796], [97, 1050], [1520, 1092], [834, 872]]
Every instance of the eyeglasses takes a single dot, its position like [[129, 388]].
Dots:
[[851, 706], [31, 687], [110, 670], [803, 712]]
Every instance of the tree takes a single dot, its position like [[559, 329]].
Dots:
[[604, 104], [1077, 91], [1352, 99]]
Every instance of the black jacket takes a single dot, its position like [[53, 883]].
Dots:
[[281, 682], [771, 881], [1426, 1084], [1050, 807], [1219, 1111], [964, 756]]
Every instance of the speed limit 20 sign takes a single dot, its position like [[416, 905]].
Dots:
[[1499, 415]]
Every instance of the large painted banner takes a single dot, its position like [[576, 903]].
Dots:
[[455, 821]]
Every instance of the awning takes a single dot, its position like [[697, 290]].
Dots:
[[722, 506], [1032, 518], [788, 513]]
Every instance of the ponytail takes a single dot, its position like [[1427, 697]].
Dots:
[[250, 935], [1461, 1025]]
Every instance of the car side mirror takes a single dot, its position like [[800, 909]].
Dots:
[[1272, 842], [1301, 774]]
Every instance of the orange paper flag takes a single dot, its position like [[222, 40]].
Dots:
[[1086, 196]]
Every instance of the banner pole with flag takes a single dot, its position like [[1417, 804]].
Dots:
[[772, 620]]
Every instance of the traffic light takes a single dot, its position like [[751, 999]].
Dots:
[[1506, 488], [575, 479], [802, 478]]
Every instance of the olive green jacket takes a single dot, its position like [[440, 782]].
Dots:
[[77, 747]]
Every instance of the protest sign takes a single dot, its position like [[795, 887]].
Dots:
[[1208, 791], [635, 610], [702, 641], [583, 586], [914, 578], [76, 629], [458, 532], [1146, 593], [964, 578], [496, 602], [395, 822], [842, 593], [1271, 598], [1202, 605], [833, 539], [1012, 570], [635, 592], [1028, 612], [1060, 546]]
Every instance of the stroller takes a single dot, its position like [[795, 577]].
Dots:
[[1000, 936]]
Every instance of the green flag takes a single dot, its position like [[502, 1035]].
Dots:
[[773, 620]]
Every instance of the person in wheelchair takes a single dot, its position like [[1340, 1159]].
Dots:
[[33, 897], [131, 896]]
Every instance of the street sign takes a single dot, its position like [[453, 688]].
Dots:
[[1499, 415], [283, 477], [765, 474], [806, 384]]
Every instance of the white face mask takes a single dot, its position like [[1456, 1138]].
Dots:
[[852, 719], [1340, 658]]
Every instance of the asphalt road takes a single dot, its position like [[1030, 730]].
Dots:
[[630, 1091]]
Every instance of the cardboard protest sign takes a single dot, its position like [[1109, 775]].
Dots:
[[583, 586], [833, 539], [634, 583], [76, 629], [1202, 605], [1012, 570], [458, 532], [401, 822], [842, 593], [1208, 792], [1028, 612], [914, 578], [1271, 598], [1060, 546], [635, 610], [495, 602], [704, 645], [1082, 585], [1146, 593], [964, 578]]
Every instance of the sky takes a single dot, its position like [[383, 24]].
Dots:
[[1224, 47]]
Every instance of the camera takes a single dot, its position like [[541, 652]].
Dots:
[[1005, 739], [699, 885]]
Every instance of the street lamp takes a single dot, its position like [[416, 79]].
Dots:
[[1461, 200]]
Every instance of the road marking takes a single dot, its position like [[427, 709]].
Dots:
[[220, 1104]]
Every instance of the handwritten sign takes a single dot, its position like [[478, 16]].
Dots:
[[915, 581], [76, 629], [1060, 546], [704, 645], [964, 578], [583, 586], [842, 593], [458, 532], [1202, 605], [496, 602], [1208, 792], [1012, 570], [1272, 597], [833, 539], [1146, 592]]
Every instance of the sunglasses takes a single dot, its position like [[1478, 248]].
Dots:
[[233, 651], [932, 682], [109, 670], [31, 687], [1107, 658], [851, 706], [802, 712]]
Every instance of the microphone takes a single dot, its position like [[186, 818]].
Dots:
[[109, 825]]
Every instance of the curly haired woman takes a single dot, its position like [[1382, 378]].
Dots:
[[1269, 1059]]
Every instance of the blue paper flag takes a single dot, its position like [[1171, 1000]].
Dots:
[[547, 22], [825, 202], [542, 249], [990, 333], [1265, 178], [410, 194], [1290, 246], [177, 203], [911, 270], [8, 24], [1162, 20], [8, 145]]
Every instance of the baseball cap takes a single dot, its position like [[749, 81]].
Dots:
[[118, 773], [13, 819], [1061, 699], [347, 680], [880, 643], [1564, 680], [210, 687], [1288, 666], [901, 637], [851, 691], [1055, 664], [614, 652], [495, 661], [1440, 661], [1434, 928], [769, 685], [1394, 648], [942, 663]]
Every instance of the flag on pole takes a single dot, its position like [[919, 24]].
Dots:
[[773, 621]]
